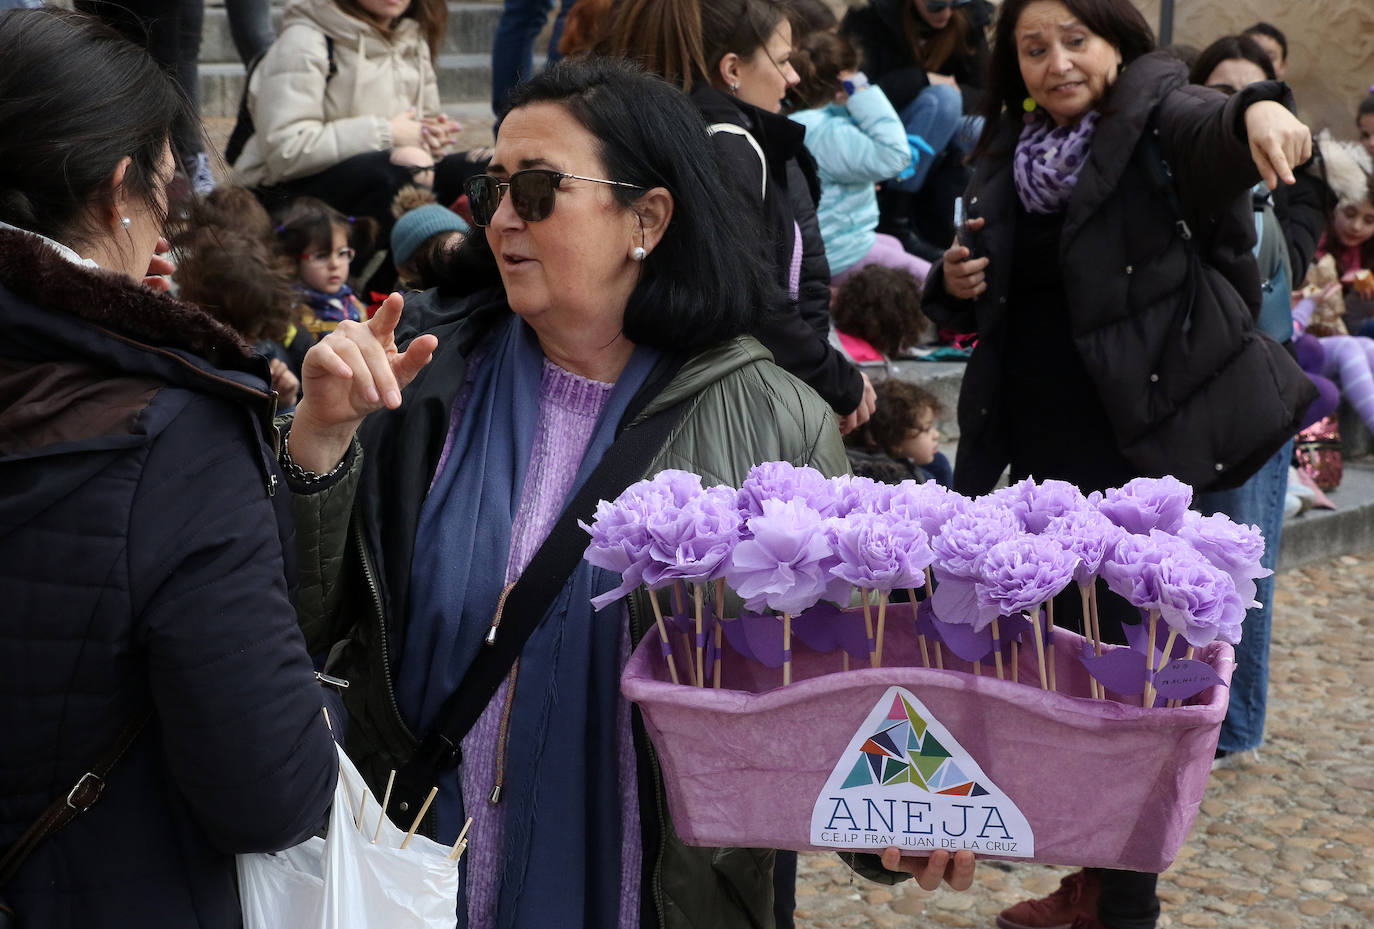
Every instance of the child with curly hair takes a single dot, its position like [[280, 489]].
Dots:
[[900, 442], [877, 311]]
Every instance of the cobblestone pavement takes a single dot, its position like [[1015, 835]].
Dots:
[[1284, 839]]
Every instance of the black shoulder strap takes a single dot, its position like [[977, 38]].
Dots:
[[524, 604], [80, 798]]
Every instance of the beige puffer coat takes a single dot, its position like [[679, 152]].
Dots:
[[304, 120]]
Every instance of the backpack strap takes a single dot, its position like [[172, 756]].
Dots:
[[83, 795], [523, 605]]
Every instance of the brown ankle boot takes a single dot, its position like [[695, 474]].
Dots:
[[1076, 899]]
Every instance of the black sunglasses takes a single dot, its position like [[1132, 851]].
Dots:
[[939, 6], [531, 193]]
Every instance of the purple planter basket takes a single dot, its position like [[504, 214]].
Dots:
[[1101, 783]]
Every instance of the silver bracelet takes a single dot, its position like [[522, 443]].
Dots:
[[296, 472]]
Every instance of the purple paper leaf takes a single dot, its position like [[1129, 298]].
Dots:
[[762, 636], [925, 619], [962, 640], [1184, 677], [825, 628], [1120, 669]]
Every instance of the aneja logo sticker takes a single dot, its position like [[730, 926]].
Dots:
[[905, 781]]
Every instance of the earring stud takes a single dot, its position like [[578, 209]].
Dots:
[[125, 221], [639, 254], [734, 87]]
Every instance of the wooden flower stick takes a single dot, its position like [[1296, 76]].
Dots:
[[997, 650], [786, 649], [720, 629], [925, 649], [1015, 661], [1039, 649], [701, 650], [1049, 641], [386, 801], [424, 808], [1096, 634], [663, 636], [1093, 690], [882, 621], [680, 607], [868, 627], [362, 807], [462, 843], [1149, 698]]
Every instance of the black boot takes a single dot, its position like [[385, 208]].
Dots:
[[894, 219]]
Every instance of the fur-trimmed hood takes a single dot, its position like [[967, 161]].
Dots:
[[57, 312]]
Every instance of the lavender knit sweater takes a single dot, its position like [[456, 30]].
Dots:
[[569, 406]]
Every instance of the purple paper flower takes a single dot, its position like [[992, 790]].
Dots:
[[878, 552], [779, 480], [1199, 600], [1019, 574], [1233, 547], [1036, 504], [1131, 567], [928, 504], [852, 494], [620, 535], [786, 564], [692, 542], [1147, 503], [681, 486], [968, 535], [1086, 533]]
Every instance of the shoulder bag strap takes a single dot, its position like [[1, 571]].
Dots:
[[80, 798], [524, 604]]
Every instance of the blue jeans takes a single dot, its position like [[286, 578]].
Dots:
[[512, 51], [937, 115], [1259, 502]]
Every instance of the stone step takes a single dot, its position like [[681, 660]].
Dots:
[[462, 79], [471, 30]]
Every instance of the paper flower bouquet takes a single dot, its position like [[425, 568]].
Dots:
[[895, 654]]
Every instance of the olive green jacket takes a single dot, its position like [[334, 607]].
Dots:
[[743, 410]]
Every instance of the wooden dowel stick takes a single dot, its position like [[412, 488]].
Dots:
[[362, 809], [1040, 650], [1049, 641], [997, 650], [925, 648], [719, 654], [701, 650], [882, 621], [786, 649], [1088, 634], [327, 724], [461, 842], [1096, 633], [386, 800], [424, 808], [868, 626], [939, 657], [1149, 699], [663, 634], [720, 629]]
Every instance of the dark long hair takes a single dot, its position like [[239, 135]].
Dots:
[[683, 41], [1226, 48], [705, 281], [1117, 21], [820, 58], [75, 98], [931, 52]]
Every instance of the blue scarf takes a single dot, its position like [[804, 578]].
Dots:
[[562, 806], [331, 308]]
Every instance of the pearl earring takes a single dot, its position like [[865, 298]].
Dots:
[[639, 254], [125, 221], [734, 87]]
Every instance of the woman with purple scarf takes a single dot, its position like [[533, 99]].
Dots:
[[1106, 268]]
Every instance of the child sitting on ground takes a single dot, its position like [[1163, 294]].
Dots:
[[900, 442], [425, 233], [877, 312], [321, 241]]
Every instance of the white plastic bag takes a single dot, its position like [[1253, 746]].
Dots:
[[343, 881]]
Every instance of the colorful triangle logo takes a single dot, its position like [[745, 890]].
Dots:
[[904, 780]]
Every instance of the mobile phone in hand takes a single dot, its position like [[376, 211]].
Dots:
[[966, 236]]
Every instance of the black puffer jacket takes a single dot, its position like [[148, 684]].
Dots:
[[890, 62], [1208, 400], [142, 535], [797, 331]]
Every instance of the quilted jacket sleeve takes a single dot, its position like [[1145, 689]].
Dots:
[[286, 97], [322, 530], [234, 690]]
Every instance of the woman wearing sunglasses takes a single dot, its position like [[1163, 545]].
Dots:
[[1106, 268], [622, 286], [732, 57], [928, 56]]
